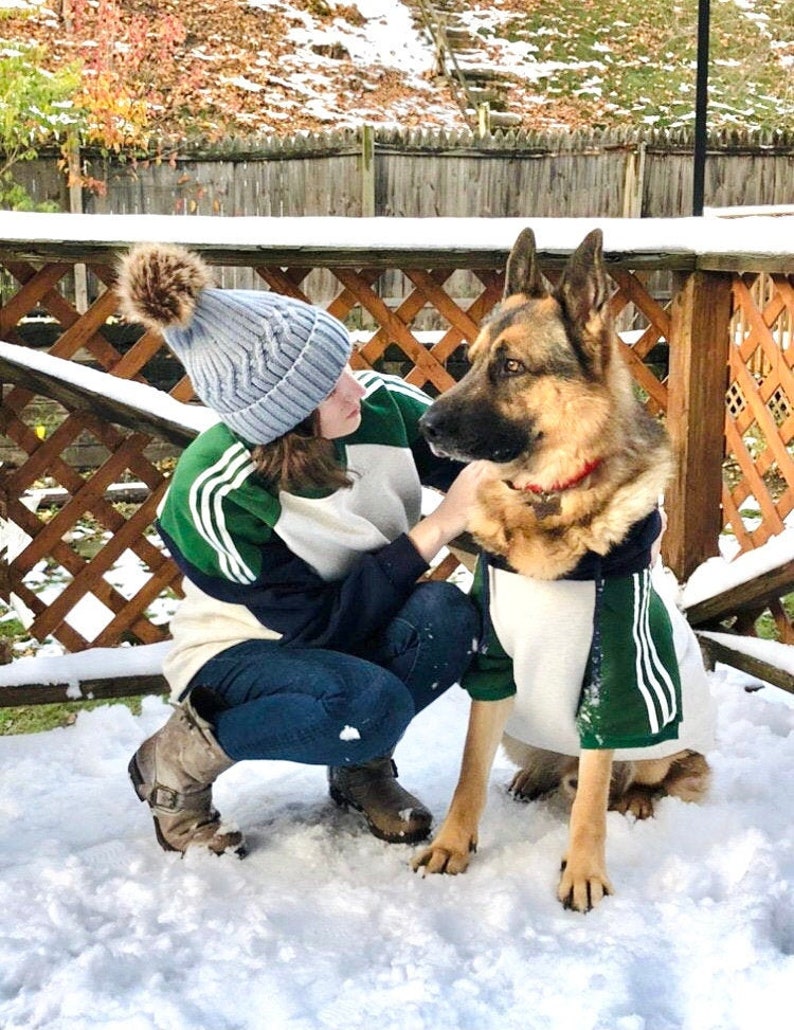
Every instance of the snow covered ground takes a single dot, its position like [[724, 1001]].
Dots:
[[323, 926]]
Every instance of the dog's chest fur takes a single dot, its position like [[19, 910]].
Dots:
[[544, 535]]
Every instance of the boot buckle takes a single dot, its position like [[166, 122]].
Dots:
[[166, 798]]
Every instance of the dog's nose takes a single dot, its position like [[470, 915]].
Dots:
[[429, 425]]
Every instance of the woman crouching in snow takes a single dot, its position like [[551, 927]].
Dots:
[[303, 634]]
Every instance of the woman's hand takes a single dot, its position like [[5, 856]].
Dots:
[[451, 516]]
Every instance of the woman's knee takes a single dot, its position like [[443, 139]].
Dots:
[[432, 639], [373, 695], [353, 718], [367, 718]]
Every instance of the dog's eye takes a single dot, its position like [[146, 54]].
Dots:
[[513, 367]]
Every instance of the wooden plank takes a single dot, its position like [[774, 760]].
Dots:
[[444, 569], [698, 379], [480, 307], [131, 618], [30, 293], [78, 396], [52, 301], [754, 483], [443, 303], [732, 516], [782, 621], [757, 593], [94, 689], [406, 312], [398, 330], [645, 378], [84, 332], [282, 283], [631, 287], [740, 262], [763, 417], [127, 533], [645, 344], [72, 562], [454, 256], [117, 493], [715, 651], [341, 306], [143, 350]]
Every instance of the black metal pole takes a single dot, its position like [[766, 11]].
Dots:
[[701, 107]]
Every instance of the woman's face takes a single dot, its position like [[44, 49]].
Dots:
[[340, 413]]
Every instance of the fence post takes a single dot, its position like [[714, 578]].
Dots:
[[367, 171], [483, 120], [75, 188], [5, 579], [634, 181], [698, 380]]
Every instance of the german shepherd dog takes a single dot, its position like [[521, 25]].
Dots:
[[549, 399]]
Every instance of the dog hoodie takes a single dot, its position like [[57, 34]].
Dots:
[[600, 659]]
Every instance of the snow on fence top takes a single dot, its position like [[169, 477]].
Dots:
[[136, 396], [704, 241]]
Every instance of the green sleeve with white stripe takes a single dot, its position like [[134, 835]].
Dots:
[[490, 674], [215, 491]]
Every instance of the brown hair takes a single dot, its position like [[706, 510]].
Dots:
[[300, 459]]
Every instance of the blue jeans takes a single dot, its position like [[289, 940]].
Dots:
[[321, 707]]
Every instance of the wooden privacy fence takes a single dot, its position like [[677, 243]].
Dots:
[[713, 357], [431, 173]]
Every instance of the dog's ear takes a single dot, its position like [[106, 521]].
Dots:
[[522, 274], [583, 288]]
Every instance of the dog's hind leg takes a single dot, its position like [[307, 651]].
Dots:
[[584, 880], [450, 850], [540, 772], [685, 775], [621, 779], [688, 778]]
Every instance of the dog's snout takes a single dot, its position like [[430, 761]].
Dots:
[[472, 431], [429, 424]]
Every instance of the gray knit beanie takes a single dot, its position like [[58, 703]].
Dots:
[[261, 361]]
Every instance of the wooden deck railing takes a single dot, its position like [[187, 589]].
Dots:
[[719, 328]]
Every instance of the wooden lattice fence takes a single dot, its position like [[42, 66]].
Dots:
[[717, 329]]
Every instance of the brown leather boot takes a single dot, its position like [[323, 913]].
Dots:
[[174, 771], [392, 813]]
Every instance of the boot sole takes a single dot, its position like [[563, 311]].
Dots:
[[391, 838]]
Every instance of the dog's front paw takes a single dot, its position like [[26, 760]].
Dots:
[[582, 886], [441, 857]]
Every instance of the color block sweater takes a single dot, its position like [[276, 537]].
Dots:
[[317, 569]]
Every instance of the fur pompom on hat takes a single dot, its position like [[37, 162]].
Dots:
[[261, 361]]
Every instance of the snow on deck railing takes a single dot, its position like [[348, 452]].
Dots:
[[716, 575], [770, 652], [768, 235], [139, 396], [74, 671]]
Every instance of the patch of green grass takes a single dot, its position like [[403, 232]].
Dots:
[[765, 625], [11, 629], [632, 64], [39, 718]]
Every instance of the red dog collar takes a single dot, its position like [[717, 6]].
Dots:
[[558, 488]]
